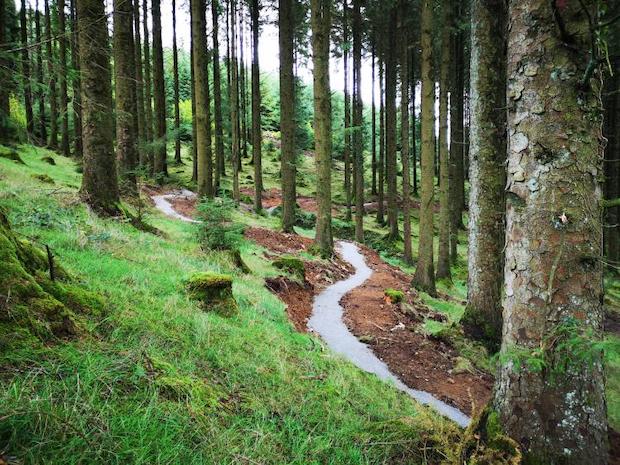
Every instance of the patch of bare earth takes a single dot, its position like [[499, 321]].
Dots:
[[393, 333], [319, 274]]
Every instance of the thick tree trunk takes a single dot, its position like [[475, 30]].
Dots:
[[483, 317], [373, 187], [347, 111], [125, 93], [381, 167], [321, 28], [76, 84], [287, 115], [358, 122], [194, 117], [553, 403], [390, 128], [424, 278], [443, 256], [160, 167], [234, 101], [242, 88], [4, 65], [51, 75], [26, 77], [257, 137], [62, 78], [99, 183], [201, 91], [404, 134], [175, 72], [217, 99], [139, 85], [40, 93], [148, 92]]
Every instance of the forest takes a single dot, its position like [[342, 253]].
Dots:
[[310, 232]]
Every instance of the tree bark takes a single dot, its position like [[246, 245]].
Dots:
[[414, 151], [125, 93], [381, 167], [76, 84], [160, 167], [321, 28], [40, 93], [4, 73], [552, 307], [287, 114], [424, 278], [26, 77], [443, 256], [390, 128], [217, 99], [175, 72], [347, 112], [483, 316], [201, 91], [51, 74], [142, 160], [148, 93], [358, 122], [404, 134], [62, 56], [373, 187], [257, 138], [234, 101], [99, 183]]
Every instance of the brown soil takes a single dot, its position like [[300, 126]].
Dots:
[[393, 333], [184, 205], [273, 198]]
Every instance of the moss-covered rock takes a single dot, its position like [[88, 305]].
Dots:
[[292, 265], [395, 296], [213, 291], [49, 160], [44, 178], [32, 306]]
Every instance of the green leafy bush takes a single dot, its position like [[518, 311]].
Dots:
[[217, 231]]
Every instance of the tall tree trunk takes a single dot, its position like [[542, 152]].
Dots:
[[175, 72], [443, 256], [234, 100], [76, 84], [358, 122], [4, 65], [139, 85], [347, 111], [51, 75], [373, 187], [404, 134], [201, 91], [148, 92], [194, 113], [125, 93], [40, 93], [257, 138], [217, 98], [287, 114], [483, 315], [160, 167], [321, 28], [457, 178], [243, 88], [414, 150], [390, 128], [553, 274], [424, 278], [26, 77], [381, 167], [62, 56], [99, 183]]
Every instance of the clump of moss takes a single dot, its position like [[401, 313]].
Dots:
[[11, 155], [32, 305], [395, 296], [49, 160], [292, 265], [44, 178], [485, 443], [213, 291]]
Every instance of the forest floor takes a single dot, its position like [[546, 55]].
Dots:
[[159, 377]]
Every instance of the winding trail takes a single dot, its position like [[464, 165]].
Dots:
[[327, 321]]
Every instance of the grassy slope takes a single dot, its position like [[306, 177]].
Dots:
[[162, 382]]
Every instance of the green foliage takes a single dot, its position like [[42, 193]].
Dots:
[[394, 295], [217, 231], [292, 265]]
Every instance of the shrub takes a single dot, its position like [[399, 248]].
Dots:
[[217, 231], [394, 295]]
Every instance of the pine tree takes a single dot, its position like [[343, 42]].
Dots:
[[257, 137], [347, 110], [140, 116], [217, 98], [424, 278], [99, 183], [62, 79], [381, 167], [148, 92], [234, 101], [51, 76], [40, 89], [390, 127], [160, 167], [76, 84], [404, 124], [26, 77], [175, 73]]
